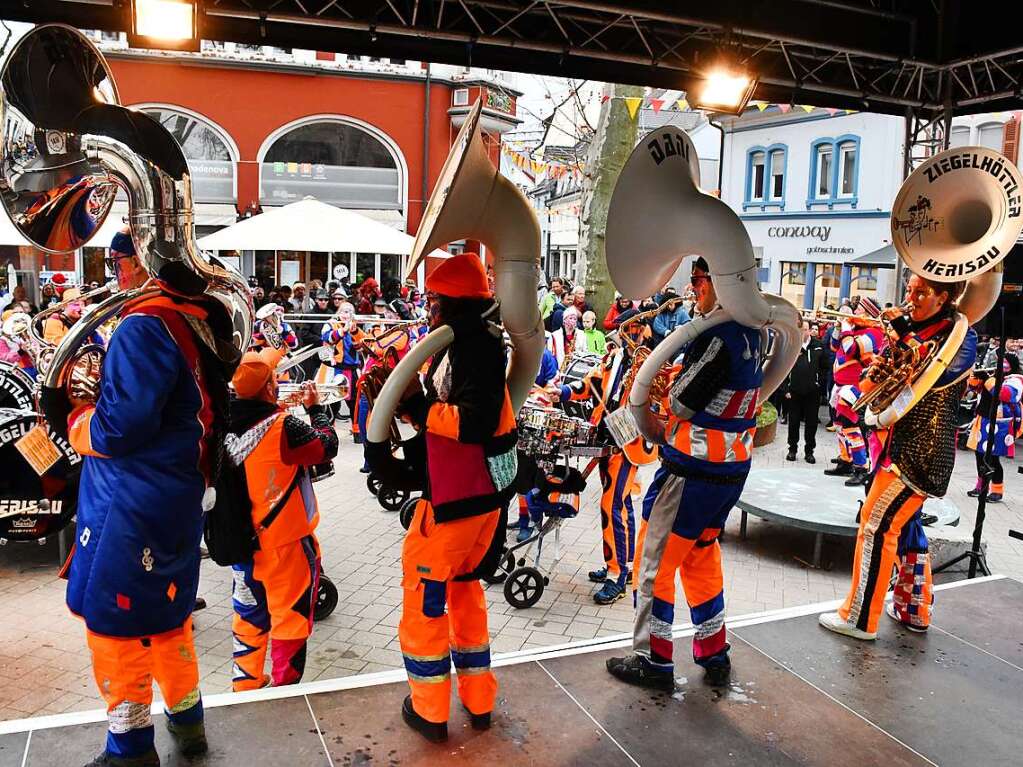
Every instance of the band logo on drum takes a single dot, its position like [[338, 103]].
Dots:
[[672, 145], [17, 507]]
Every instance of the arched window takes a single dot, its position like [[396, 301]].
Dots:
[[765, 176], [834, 171], [335, 161], [959, 136], [990, 135], [211, 155]]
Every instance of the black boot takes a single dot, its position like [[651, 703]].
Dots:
[[858, 478], [478, 721], [718, 674], [809, 457], [637, 670], [841, 469], [435, 732], [791, 456], [189, 738]]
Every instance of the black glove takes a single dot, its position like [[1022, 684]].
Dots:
[[416, 408]]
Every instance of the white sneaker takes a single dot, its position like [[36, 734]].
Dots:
[[834, 622], [889, 609]]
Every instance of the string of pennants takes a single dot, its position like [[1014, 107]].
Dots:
[[537, 168], [674, 101]]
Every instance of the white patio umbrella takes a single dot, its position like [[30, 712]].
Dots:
[[311, 225]]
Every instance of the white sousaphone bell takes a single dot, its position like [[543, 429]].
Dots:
[[657, 217], [955, 218], [473, 200]]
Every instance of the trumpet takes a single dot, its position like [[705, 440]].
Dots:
[[829, 315], [290, 394]]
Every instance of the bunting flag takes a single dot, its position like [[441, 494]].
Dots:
[[831, 111], [604, 98], [683, 105], [536, 168], [632, 103], [656, 104], [760, 105], [807, 108], [784, 108]]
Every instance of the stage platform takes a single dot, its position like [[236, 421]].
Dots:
[[799, 696]]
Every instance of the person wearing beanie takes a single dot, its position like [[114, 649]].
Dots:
[[147, 442], [466, 417], [274, 594]]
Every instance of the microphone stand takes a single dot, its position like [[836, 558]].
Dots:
[[975, 555]]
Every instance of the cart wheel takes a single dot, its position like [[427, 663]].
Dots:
[[326, 598], [407, 511], [501, 573], [373, 483], [524, 587], [390, 499]]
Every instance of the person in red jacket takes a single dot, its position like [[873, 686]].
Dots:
[[611, 319], [275, 593]]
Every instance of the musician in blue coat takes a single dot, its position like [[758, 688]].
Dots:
[[135, 569]]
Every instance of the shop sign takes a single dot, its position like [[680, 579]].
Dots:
[[821, 233], [344, 186]]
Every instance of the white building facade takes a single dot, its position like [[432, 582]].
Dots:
[[815, 192]]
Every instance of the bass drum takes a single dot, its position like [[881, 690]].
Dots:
[[17, 389], [34, 507]]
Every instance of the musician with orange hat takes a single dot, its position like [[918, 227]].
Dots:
[[275, 593], [466, 418]]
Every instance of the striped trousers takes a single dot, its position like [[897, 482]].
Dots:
[[682, 519], [890, 536]]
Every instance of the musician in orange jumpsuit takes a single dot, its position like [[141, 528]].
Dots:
[[467, 419], [275, 593]]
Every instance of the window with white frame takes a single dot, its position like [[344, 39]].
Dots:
[[777, 188], [460, 97], [824, 160], [765, 176], [834, 171], [847, 152], [757, 169]]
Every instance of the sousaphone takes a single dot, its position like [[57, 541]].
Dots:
[[472, 200], [657, 217]]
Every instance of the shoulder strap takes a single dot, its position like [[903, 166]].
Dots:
[[279, 506]]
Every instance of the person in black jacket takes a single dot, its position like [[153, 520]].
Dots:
[[803, 393]]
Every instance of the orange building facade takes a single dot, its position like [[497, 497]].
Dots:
[[264, 127]]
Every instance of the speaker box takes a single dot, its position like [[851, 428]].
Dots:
[[1011, 299]]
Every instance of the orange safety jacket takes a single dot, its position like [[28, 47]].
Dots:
[[269, 479]]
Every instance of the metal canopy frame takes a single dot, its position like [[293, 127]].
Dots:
[[889, 56]]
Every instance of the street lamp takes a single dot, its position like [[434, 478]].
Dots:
[[725, 89], [164, 24]]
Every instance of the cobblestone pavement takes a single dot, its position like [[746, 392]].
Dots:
[[44, 664]]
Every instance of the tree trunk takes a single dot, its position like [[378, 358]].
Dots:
[[612, 143]]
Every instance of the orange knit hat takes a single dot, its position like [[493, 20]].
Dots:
[[254, 371], [460, 276]]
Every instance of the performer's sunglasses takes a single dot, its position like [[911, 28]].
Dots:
[[111, 261]]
